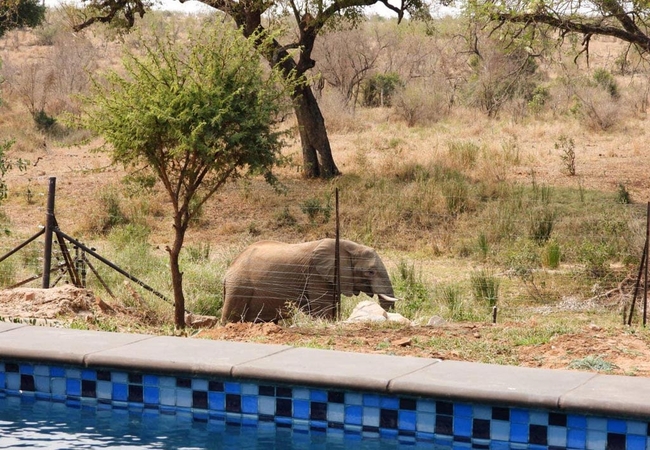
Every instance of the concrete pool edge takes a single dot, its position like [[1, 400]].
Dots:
[[559, 390]]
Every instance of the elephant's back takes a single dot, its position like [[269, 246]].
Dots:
[[264, 254]]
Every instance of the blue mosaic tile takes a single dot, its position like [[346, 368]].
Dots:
[[232, 388], [73, 387], [407, 420], [305, 409], [518, 432], [120, 392], [370, 416], [557, 436], [577, 438], [462, 410], [184, 398], [353, 398], [353, 415], [596, 439]]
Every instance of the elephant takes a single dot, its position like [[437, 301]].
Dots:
[[270, 279]]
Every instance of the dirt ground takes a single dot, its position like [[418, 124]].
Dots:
[[627, 352]]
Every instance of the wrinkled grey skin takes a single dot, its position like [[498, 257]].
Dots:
[[270, 279]]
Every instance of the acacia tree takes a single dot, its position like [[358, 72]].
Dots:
[[293, 57], [624, 20], [197, 115]]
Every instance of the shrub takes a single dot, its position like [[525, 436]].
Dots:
[[606, 80], [538, 99], [313, 207], [541, 225], [622, 194], [592, 362], [379, 89], [451, 296], [567, 147], [498, 76], [421, 103], [595, 257], [551, 255], [111, 208], [43, 121], [485, 287]]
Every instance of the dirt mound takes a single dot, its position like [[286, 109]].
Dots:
[[61, 303]]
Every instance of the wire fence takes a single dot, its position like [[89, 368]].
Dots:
[[613, 233]]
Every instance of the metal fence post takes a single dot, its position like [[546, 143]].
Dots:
[[337, 261]]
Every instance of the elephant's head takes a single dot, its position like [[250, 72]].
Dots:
[[362, 270]]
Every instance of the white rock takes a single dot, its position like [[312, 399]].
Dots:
[[368, 311], [436, 321], [397, 317]]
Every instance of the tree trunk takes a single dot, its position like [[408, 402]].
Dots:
[[177, 277], [316, 151]]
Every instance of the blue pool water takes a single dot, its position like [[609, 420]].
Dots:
[[29, 423]]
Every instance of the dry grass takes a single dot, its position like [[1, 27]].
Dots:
[[446, 195]]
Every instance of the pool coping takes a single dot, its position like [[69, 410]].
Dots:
[[550, 389]]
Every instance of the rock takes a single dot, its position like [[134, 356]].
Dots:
[[105, 307], [436, 321], [403, 342], [368, 311], [197, 321], [396, 317]]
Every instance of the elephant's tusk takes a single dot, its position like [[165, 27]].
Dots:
[[387, 298]]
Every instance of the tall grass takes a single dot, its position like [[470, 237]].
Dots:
[[485, 287], [410, 286]]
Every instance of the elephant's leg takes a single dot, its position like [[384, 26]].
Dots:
[[321, 300], [236, 305]]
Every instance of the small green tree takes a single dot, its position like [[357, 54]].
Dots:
[[197, 113]]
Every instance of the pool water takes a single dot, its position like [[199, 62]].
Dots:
[[26, 422]]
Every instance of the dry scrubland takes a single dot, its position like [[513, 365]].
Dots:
[[531, 199]]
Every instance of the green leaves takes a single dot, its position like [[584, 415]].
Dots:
[[198, 111]]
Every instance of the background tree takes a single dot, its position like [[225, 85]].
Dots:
[[292, 54], [197, 116], [627, 21], [20, 13], [347, 58]]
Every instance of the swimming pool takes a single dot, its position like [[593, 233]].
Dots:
[[318, 394]]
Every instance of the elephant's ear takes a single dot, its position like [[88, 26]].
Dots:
[[323, 259], [323, 262]]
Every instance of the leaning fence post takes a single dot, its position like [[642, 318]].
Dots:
[[49, 228], [636, 285]]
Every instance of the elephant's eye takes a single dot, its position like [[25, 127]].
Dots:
[[371, 273]]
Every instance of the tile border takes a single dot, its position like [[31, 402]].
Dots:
[[568, 393]]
